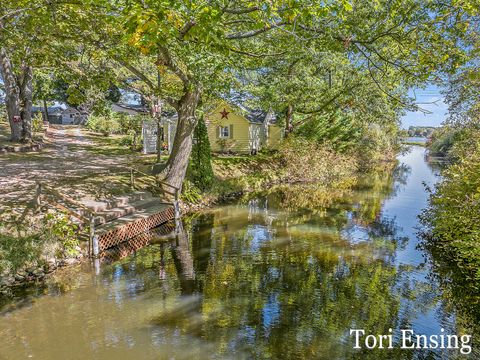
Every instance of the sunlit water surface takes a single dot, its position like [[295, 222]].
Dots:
[[283, 275]]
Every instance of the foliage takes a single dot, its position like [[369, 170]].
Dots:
[[108, 122], [54, 235], [420, 131], [452, 220], [15, 252], [442, 141], [377, 144], [131, 127], [58, 227], [200, 170], [105, 124], [190, 193], [301, 160], [37, 123], [453, 141]]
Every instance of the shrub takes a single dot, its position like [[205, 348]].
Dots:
[[190, 193], [303, 160], [200, 166], [442, 141], [103, 124], [37, 123], [130, 124], [452, 220], [52, 235]]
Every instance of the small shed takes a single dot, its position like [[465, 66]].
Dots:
[[241, 130]]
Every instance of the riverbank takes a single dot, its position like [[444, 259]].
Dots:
[[78, 163], [451, 223], [298, 162], [247, 278]]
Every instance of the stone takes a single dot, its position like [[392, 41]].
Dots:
[[70, 261], [6, 281], [39, 273], [21, 273]]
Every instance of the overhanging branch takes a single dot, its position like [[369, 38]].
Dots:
[[252, 33]]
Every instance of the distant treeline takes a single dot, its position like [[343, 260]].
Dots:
[[420, 131]]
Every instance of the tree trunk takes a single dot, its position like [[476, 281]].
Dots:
[[45, 110], [26, 96], [182, 144], [18, 99], [12, 96], [288, 120]]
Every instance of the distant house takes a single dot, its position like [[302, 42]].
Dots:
[[241, 130], [129, 109], [230, 129], [62, 116], [72, 116]]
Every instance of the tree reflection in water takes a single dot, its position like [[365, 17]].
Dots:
[[283, 275], [287, 274]]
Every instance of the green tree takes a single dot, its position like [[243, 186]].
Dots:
[[201, 158], [204, 46]]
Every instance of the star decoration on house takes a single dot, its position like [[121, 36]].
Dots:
[[224, 113]]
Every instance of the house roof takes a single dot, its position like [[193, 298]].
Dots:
[[259, 116], [51, 109], [254, 116], [129, 108], [71, 110]]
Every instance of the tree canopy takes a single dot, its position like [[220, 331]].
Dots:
[[311, 61]]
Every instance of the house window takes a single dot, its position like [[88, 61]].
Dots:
[[224, 132]]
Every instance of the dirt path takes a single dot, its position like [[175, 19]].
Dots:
[[73, 157]]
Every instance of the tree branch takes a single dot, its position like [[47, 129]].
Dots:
[[138, 73], [253, 54], [253, 33], [186, 28], [172, 65], [241, 11]]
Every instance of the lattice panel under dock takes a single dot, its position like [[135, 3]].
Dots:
[[124, 232]]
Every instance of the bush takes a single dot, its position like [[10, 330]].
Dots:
[[130, 124], [104, 124], [37, 123], [133, 141], [50, 236], [442, 141], [190, 193], [303, 160], [200, 166], [452, 220]]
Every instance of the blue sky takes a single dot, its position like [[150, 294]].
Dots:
[[439, 109]]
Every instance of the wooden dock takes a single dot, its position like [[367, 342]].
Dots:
[[118, 219]]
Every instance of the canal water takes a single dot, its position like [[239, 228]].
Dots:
[[280, 275]]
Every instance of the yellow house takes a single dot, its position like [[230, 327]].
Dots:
[[231, 131]]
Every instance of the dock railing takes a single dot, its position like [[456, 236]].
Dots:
[[164, 188], [87, 218]]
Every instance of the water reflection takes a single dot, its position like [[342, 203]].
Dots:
[[283, 275]]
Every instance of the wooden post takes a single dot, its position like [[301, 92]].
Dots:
[[96, 247], [92, 235], [176, 208], [38, 194]]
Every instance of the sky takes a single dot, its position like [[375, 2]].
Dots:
[[431, 94]]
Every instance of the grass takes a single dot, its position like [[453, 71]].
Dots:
[[417, 143], [5, 135]]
